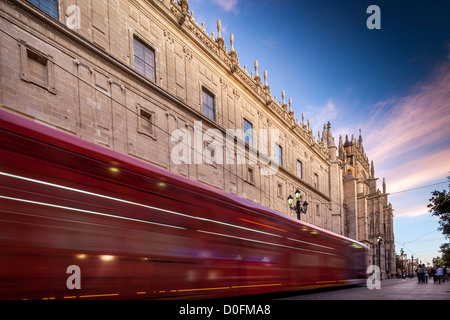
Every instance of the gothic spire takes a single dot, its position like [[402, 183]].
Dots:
[[372, 170]]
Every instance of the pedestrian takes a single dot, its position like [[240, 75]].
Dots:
[[421, 273], [444, 270], [418, 272], [432, 274], [439, 273], [426, 275]]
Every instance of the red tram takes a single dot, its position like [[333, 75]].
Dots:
[[135, 231]]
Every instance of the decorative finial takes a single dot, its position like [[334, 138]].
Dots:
[[283, 100], [233, 53], [372, 170], [257, 77], [290, 104], [219, 27], [266, 86], [220, 40]]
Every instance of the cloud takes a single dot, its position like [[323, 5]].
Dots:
[[321, 115], [414, 122], [411, 211], [419, 171], [227, 5], [270, 42], [409, 137]]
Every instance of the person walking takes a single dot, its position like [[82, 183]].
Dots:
[[439, 273], [421, 273], [432, 274], [444, 275], [426, 274]]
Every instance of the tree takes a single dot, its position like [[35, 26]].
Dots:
[[440, 206], [445, 250]]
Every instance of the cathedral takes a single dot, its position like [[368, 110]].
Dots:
[[138, 77]]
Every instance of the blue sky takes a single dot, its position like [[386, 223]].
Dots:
[[392, 83]]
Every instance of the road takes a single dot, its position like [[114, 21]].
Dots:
[[393, 289]]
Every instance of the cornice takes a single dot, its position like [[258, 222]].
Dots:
[[230, 64], [196, 34]]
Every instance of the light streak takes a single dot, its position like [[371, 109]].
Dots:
[[263, 242], [130, 202], [156, 209], [89, 211], [313, 244]]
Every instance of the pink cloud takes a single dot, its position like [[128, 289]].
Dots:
[[227, 5], [419, 171], [411, 135], [415, 121]]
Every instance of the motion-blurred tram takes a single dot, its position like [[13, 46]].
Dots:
[[80, 221]]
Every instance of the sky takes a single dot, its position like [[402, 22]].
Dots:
[[392, 83]]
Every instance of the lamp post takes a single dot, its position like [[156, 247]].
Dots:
[[299, 207], [401, 254], [379, 240]]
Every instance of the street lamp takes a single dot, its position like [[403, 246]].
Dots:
[[401, 254], [299, 208], [379, 240]]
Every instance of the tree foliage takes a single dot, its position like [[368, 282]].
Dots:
[[445, 250], [440, 206]]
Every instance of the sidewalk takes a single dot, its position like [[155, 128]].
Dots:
[[412, 290], [392, 289], [407, 289]]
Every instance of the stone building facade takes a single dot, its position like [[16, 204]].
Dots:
[[145, 79]]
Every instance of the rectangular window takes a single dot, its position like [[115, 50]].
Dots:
[[280, 190], [209, 108], [144, 59], [248, 132], [250, 175], [49, 6], [316, 181], [37, 68], [278, 154], [299, 169]]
